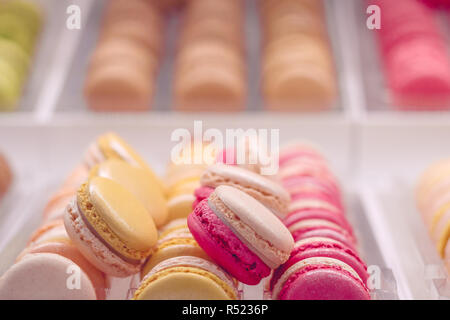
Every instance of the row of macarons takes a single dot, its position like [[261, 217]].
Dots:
[[297, 66], [210, 58], [113, 232], [414, 54], [20, 23]]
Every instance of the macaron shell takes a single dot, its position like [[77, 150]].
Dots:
[[44, 276], [254, 215], [180, 206], [93, 249], [69, 251], [323, 283], [183, 286], [122, 213], [224, 247], [140, 184]]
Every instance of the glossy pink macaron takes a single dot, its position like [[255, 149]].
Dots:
[[333, 201], [321, 228], [299, 151], [296, 184], [240, 234], [318, 278], [323, 214]]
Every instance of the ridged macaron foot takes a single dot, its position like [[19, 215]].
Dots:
[[110, 227]]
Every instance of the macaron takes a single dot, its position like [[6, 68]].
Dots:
[[124, 86], [266, 191], [240, 234], [46, 276], [322, 228], [175, 243], [110, 227], [6, 176], [317, 214], [141, 184], [56, 205], [111, 146], [319, 278], [52, 238], [187, 278]]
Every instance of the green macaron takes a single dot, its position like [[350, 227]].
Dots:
[[28, 12], [13, 54], [10, 86]]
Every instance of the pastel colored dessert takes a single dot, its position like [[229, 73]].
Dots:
[[123, 67], [183, 177], [142, 185], [56, 205], [187, 278], [266, 191], [44, 276], [111, 146], [433, 201], [110, 227], [20, 22], [210, 68], [414, 55], [297, 65], [174, 243], [319, 278], [6, 176], [307, 228], [76, 177], [240, 234], [52, 238]]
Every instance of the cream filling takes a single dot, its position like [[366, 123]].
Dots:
[[269, 254], [310, 261], [94, 155], [313, 223]]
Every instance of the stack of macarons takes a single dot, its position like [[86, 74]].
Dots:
[[122, 70], [297, 67], [183, 177], [270, 193], [240, 234], [210, 68], [43, 268], [414, 54], [6, 176], [324, 263], [433, 201], [180, 269], [20, 22]]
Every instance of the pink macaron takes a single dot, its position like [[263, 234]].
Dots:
[[314, 214], [240, 234], [320, 269]]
